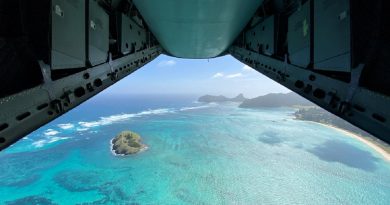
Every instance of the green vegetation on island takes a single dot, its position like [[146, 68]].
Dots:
[[317, 114], [276, 100], [221, 98], [127, 142]]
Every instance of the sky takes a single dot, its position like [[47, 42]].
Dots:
[[217, 76]]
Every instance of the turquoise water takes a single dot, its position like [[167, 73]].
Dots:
[[198, 154]]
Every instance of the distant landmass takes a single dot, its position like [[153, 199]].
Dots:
[[127, 142], [221, 98], [276, 100], [307, 111]]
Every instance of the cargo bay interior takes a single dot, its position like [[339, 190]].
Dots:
[[55, 54]]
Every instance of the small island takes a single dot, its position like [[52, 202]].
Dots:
[[221, 98], [127, 142]]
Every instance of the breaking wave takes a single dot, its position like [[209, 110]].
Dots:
[[51, 135], [194, 108], [66, 126], [42, 142], [51, 132], [122, 117]]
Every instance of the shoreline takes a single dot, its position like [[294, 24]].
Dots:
[[373, 146]]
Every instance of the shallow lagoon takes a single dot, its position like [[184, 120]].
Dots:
[[198, 154]]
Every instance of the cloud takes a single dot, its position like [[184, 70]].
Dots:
[[166, 63], [235, 75], [218, 75], [246, 68], [229, 76]]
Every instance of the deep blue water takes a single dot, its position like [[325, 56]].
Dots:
[[198, 154]]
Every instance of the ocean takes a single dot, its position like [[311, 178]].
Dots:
[[198, 154]]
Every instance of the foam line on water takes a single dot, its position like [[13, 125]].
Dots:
[[48, 140], [66, 126], [51, 135], [122, 117], [51, 132], [194, 108]]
